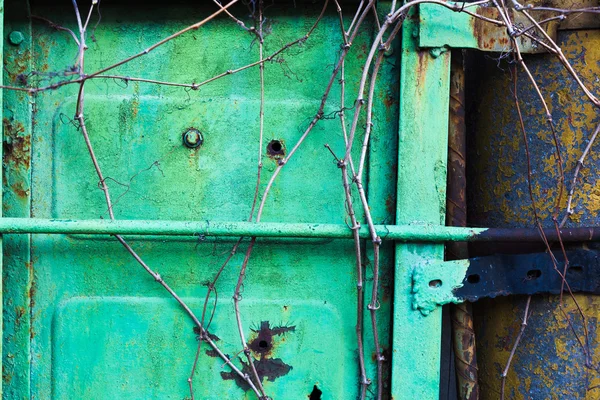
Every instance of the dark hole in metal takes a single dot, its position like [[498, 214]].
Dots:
[[275, 148], [575, 269], [315, 394], [474, 278], [263, 344], [436, 283], [533, 274]]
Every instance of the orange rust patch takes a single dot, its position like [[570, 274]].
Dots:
[[16, 145]]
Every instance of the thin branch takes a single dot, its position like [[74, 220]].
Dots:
[[514, 348]]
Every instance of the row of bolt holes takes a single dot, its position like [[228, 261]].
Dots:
[[532, 275]]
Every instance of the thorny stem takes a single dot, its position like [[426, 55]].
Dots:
[[80, 118], [514, 348]]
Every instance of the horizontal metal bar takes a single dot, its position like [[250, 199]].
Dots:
[[420, 233], [406, 233]]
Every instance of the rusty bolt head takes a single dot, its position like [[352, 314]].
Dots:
[[192, 138], [16, 38]]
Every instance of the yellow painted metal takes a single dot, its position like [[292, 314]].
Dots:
[[551, 362]]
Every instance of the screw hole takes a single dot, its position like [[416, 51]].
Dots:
[[315, 394], [474, 278], [533, 274], [575, 269], [275, 149], [436, 283]]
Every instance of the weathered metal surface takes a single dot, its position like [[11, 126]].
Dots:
[[508, 274], [434, 283], [423, 147], [463, 336], [584, 20], [439, 26], [504, 275], [415, 232], [17, 272], [550, 362], [102, 328]]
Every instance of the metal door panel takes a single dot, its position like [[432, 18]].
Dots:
[[100, 326]]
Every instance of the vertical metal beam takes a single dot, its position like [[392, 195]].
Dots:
[[17, 270], [422, 158]]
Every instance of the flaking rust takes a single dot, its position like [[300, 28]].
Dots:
[[16, 146], [263, 344]]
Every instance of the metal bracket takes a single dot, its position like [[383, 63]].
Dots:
[[436, 283], [440, 26]]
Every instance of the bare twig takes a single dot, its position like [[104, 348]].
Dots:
[[514, 348]]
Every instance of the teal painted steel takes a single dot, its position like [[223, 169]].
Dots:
[[414, 233], [92, 324], [17, 273], [422, 152]]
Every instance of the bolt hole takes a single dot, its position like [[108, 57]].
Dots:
[[192, 138], [275, 148], [533, 274], [575, 269], [474, 278], [436, 283], [263, 344], [315, 394]]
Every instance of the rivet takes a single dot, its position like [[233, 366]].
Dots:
[[192, 138], [16, 38]]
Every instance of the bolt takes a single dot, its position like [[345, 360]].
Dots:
[[16, 38], [192, 138]]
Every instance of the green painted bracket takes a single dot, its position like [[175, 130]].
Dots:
[[440, 26], [434, 283]]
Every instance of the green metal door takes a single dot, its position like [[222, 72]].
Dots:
[[82, 319]]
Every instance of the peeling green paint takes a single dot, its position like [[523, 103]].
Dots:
[[434, 283]]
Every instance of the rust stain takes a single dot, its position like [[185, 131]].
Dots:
[[276, 149], [19, 314], [389, 100], [16, 146], [18, 189], [262, 346]]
